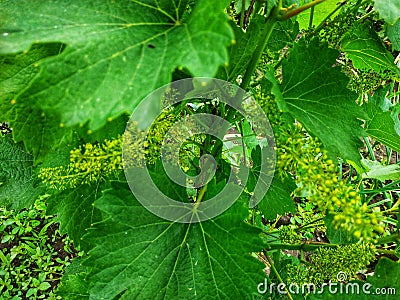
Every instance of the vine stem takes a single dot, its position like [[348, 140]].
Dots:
[[388, 252], [319, 27], [262, 43], [242, 13], [201, 194], [272, 266], [278, 13], [300, 247], [310, 22], [249, 12], [291, 12]]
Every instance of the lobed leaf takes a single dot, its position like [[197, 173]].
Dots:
[[364, 47], [140, 256], [17, 71], [383, 124], [315, 93], [117, 51], [17, 180], [388, 10], [277, 200], [75, 210]]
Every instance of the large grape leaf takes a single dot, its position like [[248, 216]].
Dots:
[[25, 117], [365, 49], [117, 51], [73, 284], [17, 179], [140, 256], [277, 199], [315, 93], [388, 10], [382, 124], [241, 52], [393, 33], [75, 210]]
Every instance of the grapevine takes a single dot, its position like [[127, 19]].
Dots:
[[261, 148]]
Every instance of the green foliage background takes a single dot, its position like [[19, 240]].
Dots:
[[72, 71]]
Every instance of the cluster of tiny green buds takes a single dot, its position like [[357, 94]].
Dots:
[[91, 162], [288, 235], [327, 263], [141, 147], [316, 176], [88, 163], [268, 104]]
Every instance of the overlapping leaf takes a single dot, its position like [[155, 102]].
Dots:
[[382, 124], [17, 180], [117, 51], [365, 49], [75, 210], [388, 10], [40, 132], [284, 34], [393, 33], [315, 93], [378, 171], [73, 285], [277, 200], [241, 52], [140, 256]]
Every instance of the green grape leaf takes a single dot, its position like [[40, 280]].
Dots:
[[140, 256], [16, 74], [276, 90], [365, 49], [315, 93], [378, 171], [73, 284], [387, 274], [284, 33], [240, 53], [17, 179], [383, 124], [278, 199], [389, 10], [75, 210], [393, 33], [337, 235], [109, 66]]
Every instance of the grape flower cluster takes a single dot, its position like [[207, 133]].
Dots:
[[316, 176], [88, 163], [327, 263]]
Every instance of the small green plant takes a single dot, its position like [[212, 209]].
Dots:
[[33, 253]]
